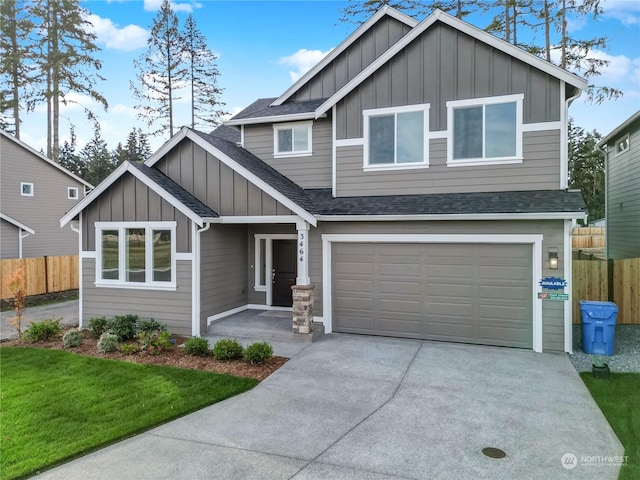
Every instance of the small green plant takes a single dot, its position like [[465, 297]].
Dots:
[[227, 349], [154, 342], [108, 342], [124, 326], [73, 338], [149, 325], [197, 346], [44, 330], [98, 325], [129, 348], [18, 289], [258, 352]]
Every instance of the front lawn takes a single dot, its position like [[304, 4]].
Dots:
[[56, 405], [619, 399]]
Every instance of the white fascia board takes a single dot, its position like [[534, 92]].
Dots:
[[258, 219], [258, 182], [619, 129], [44, 159], [464, 216], [350, 40], [167, 147], [17, 224], [293, 117], [480, 35]]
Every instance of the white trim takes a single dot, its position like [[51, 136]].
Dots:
[[568, 275], [71, 189], [349, 142], [195, 278], [87, 254], [542, 126], [31, 189], [534, 240], [277, 127], [437, 134], [80, 275], [461, 216], [302, 254], [293, 117], [255, 219], [618, 142], [334, 153], [464, 27], [268, 237], [350, 40], [564, 139], [185, 257], [257, 306], [136, 286], [242, 136], [227, 313], [16, 223]]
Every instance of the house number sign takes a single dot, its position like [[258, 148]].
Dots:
[[301, 251]]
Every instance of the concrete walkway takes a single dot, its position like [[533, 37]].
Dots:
[[358, 407], [66, 311]]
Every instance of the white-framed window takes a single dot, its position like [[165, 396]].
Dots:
[[72, 193], [136, 255], [396, 137], [292, 139], [485, 131], [622, 145], [26, 189]]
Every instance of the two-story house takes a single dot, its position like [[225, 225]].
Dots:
[[34, 193], [415, 181]]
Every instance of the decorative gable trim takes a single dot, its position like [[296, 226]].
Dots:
[[17, 224], [350, 40], [463, 27]]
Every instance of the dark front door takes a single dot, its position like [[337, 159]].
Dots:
[[284, 272]]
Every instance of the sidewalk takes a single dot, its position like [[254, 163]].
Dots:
[[66, 311]]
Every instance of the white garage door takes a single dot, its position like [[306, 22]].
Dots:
[[470, 293]]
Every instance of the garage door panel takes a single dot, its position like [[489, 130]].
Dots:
[[400, 288], [449, 289], [351, 286], [450, 271], [393, 305], [351, 268], [452, 308], [395, 327]]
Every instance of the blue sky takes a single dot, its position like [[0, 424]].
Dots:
[[264, 45]]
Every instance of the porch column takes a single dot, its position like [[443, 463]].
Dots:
[[302, 292], [302, 253]]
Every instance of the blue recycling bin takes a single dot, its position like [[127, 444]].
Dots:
[[598, 326]]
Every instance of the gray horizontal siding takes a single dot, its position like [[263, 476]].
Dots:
[[215, 184], [442, 65], [170, 307], [308, 172], [9, 243], [540, 170]]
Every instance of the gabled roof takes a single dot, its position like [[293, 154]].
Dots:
[[350, 40], [43, 158], [156, 181], [17, 224], [261, 111], [619, 129], [230, 134], [480, 35]]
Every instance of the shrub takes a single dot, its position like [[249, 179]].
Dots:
[[128, 348], [149, 325], [197, 346], [43, 330], [73, 338], [154, 342], [258, 352], [124, 326], [108, 342], [17, 287], [227, 349], [98, 325]]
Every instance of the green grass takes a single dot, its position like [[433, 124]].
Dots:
[[56, 405], [619, 400]]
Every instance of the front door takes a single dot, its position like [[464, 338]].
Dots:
[[284, 272]]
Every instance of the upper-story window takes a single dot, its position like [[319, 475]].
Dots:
[[622, 145], [26, 189], [395, 137], [72, 193], [485, 131], [292, 139]]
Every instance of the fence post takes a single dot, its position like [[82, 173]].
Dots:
[[610, 287], [46, 274]]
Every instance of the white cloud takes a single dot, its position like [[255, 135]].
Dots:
[[626, 11], [154, 5], [126, 39], [121, 109], [303, 60]]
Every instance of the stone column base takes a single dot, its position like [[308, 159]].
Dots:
[[302, 308]]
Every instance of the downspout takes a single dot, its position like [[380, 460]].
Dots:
[[195, 327], [80, 267], [21, 235]]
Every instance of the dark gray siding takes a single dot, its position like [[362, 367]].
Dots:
[[223, 270], [215, 184], [130, 200], [540, 170], [442, 65], [43, 210], [9, 243], [623, 197], [552, 230], [170, 307], [377, 40], [308, 172]]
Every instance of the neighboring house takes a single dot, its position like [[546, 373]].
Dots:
[[34, 193], [622, 173], [416, 177]]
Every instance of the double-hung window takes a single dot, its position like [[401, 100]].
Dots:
[[292, 139], [136, 254], [622, 145], [485, 131], [396, 138]]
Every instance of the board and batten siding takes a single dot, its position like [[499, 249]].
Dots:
[[215, 184], [373, 43], [540, 170], [170, 307], [552, 231], [307, 171], [223, 270], [9, 240], [442, 65], [43, 210], [130, 200], [623, 197]]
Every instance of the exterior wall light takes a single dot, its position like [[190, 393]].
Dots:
[[553, 260]]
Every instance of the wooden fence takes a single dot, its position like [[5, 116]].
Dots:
[[591, 280], [42, 274], [588, 237]]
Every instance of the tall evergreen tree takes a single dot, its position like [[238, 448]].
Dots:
[[586, 169], [359, 10], [202, 75], [69, 159], [99, 162], [161, 72]]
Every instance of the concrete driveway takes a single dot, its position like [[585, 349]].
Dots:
[[67, 312], [357, 407]]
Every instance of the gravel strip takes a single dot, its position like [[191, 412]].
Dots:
[[626, 354]]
